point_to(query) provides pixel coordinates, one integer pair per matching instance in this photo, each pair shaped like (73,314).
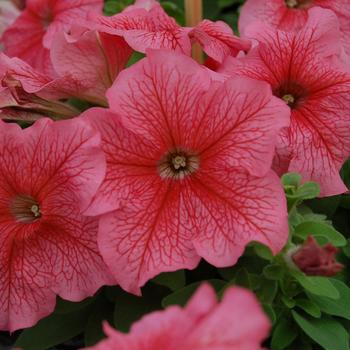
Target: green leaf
(326,205)
(325,331)
(316,285)
(309,307)
(289,302)
(283,334)
(320,228)
(181,296)
(65,306)
(130,308)
(270,312)
(339,307)
(308,190)
(174,11)
(102,311)
(135,57)
(242,278)
(173,280)
(345,173)
(54,330)
(346,249)
(263,251)
(267,291)
(273,272)
(291,180)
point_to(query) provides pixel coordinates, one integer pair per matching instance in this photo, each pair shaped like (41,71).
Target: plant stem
(194,10)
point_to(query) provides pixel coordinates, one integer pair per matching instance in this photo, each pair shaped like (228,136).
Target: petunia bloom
(49,173)
(305,70)
(89,62)
(145,25)
(293,14)
(31,36)
(24,89)
(315,260)
(188,169)
(236,323)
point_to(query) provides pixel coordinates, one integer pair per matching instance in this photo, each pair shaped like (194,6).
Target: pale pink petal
(272,12)
(8,14)
(320,35)
(277,14)
(233,209)
(120,144)
(153,94)
(151,236)
(218,40)
(239,121)
(202,302)
(92,62)
(31,80)
(146,29)
(237,323)
(31,35)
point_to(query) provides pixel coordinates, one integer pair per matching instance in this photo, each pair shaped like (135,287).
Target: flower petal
(244,328)
(92,62)
(146,29)
(218,40)
(232,209)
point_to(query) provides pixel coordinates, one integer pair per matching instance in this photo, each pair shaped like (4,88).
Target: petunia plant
(174,174)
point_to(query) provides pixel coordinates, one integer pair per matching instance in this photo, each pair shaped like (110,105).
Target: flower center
(292,93)
(177,164)
(25,209)
(289,99)
(298,4)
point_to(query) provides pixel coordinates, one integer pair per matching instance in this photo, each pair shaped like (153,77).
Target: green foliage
(181,296)
(54,329)
(173,280)
(325,331)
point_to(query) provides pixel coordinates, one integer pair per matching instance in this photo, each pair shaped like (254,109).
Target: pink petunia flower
(8,14)
(24,89)
(188,172)
(49,173)
(304,70)
(236,323)
(146,25)
(31,36)
(293,14)
(89,62)
(218,40)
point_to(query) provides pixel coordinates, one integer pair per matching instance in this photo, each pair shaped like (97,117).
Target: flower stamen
(291,3)
(297,4)
(177,164)
(289,99)
(25,209)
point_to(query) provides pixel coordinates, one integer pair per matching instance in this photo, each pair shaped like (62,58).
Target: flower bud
(315,260)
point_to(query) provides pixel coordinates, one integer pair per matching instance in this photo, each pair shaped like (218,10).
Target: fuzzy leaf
(325,331)
(283,335)
(320,229)
(339,307)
